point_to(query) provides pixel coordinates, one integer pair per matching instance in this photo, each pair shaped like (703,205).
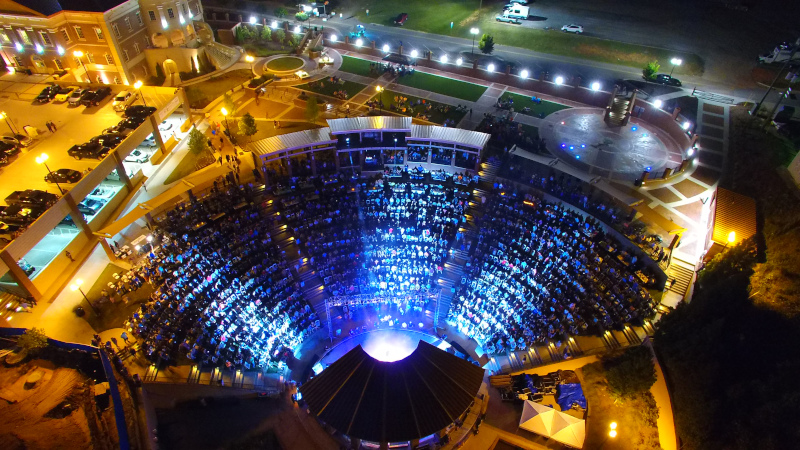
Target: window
(128,23)
(147,41)
(18,60)
(170,13)
(99,34)
(183,7)
(196,9)
(139,18)
(45,38)
(59,64)
(109,59)
(24,36)
(77,62)
(152,15)
(79,32)
(4,38)
(136,47)
(38,62)
(90,57)
(115,28)
(125,54)
(116,80)
(65,35)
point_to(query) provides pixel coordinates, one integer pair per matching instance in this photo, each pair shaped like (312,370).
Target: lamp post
(79,54)
(250,59)
(225,115)
(3,115)
(675,62)
(41,160)
(612,433)
(473,32)
(138,87)
(76,286)
(380,96)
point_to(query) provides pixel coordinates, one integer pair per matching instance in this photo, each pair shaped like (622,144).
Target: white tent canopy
(553,424)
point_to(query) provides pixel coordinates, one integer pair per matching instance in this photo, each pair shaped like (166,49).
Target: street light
(443,59)
(138,86)
(524,73)
(3,115)
(225,115)
(250,59)
(386,48)
(658,103)
(675,62)
(380,90)
(473,32)
(414,53)
(76,286)
(731,237)
(41,160)
(79,54)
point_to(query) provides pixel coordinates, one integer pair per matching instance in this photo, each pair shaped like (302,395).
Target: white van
(123,100)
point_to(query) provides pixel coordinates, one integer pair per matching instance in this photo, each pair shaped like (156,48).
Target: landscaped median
(418,108)
(202,93)
(335,89)
(541,108)
(441,85)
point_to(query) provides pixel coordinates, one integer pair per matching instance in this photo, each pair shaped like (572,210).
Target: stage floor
(384,344)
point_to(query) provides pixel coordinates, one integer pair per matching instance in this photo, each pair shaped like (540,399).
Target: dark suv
(139,111)
(110,140)
(47,94)
(32,197)
(21,215)
(93,98)
(88,150)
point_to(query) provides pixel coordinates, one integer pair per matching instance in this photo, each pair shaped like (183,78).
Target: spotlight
(687,125)
(459,61)
(386,48)
(559,80)
(524,73)
(334,38)
(596,86)
(658,103)
(490,67)
(443,59)
(414,53)
(359,42)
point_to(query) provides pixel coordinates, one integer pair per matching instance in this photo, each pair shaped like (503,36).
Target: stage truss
(370,299)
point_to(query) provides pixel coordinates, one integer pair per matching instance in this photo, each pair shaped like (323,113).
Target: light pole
(250,59)
(612,433)
(227,126)
(76,286)
(473,32)
(380,97)
(3,115)
(675,62)
(79,54)
(138,87)
(41,160)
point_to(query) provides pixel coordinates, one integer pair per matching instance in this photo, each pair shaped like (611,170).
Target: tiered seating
(541,271)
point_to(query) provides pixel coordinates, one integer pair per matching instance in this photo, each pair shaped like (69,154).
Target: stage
(384,344)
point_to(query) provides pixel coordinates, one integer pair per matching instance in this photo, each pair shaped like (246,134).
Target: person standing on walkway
(470,113)
(124,337)
(49,127)
(53,124)
(69,255)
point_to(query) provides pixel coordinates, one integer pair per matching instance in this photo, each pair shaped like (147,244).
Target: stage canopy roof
(393,401)
(553,424)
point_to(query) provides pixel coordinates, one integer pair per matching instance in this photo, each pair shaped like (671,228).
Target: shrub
(630,373)
(281,12)
(301,16)
(650,70)
(32,341)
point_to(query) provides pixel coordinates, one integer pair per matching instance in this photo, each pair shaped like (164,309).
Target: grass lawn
(631,415)
(268,49)
(327,87)
(357,66)
(203,93)
(112,315)
(546,108)
(434,113)
(444,86)
(187,166)
(466,14)
(285,63)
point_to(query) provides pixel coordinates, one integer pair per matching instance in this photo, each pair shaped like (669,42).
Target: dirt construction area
(44,407)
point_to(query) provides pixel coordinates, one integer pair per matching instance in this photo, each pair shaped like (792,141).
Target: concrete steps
(683,273)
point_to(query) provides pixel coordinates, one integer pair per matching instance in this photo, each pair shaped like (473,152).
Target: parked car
(76,98)
(401,19)
(110,140)
(21,215)
(7,232)
(18,140)
(130,124)
(123,100)
(64,93)
(63,176)
(97,96)
(668,80)
(47,94)
(139,111)
(101,193)
(90,206)
(572,28)
(3,159)
(32,197)
(88,150)
(506,19)
(137,156)
(8,148)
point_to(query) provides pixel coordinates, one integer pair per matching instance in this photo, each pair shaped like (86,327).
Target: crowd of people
(541,271)
(224,296)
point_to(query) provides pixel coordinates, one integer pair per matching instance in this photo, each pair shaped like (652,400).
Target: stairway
(222,56)
(619,108)
(8,305)
(683,273)
(488,171)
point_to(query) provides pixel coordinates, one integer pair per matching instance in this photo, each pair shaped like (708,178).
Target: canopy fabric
(556,425)
(393,401)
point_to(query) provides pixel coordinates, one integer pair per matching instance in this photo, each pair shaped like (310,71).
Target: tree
(630,373)
(247,126)
(197,141)
(301,16)
(32,340)
(312,109)
(650,70)
(281,12)
(279,36)
(486,44)
(227,103)
(266,34)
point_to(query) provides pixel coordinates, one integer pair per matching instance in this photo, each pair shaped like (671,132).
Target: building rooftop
(449,134)
(733,213)
(50,7)
(289,141)
(387,123)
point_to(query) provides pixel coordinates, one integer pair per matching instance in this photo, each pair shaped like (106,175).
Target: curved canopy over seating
(393,401)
